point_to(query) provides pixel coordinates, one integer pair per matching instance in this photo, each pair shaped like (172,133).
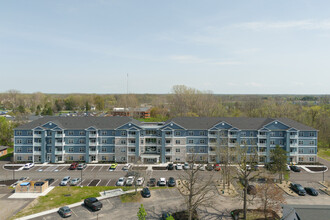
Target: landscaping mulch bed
(159,168)
(139,168)
(12,167)
(316,169)
(7,182)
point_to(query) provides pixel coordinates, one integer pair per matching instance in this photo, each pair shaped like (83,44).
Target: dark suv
(93,203)
(298,189)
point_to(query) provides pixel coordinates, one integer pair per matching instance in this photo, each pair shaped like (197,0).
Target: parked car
(288,168)
(217,167)
(201,167)
(39,183)
(179,166)
(65,181)
(295,169)
(23,178)
(298,189)
(145,192)
(127,167)
(65,211)
(81,166)
(73,166)
(162,181)
(113,166)
(75,181)
(170,166)
(152,182)
(121,181)
(251,190)
(27,166)
(93,203)
(186,166)
(130,181)
(311,191)
(50,181)
(209,167)
(171,181)
(139,181)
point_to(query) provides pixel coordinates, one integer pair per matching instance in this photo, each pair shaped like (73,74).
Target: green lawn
(61,196)
(131,197)
(324,153)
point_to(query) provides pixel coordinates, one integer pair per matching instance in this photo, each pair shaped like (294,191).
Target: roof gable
(276,125)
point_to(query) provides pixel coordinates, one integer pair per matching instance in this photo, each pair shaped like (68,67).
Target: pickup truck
(93,203)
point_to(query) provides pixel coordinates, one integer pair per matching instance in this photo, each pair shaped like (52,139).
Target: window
(123,158)
(202,133)
(18,133)
(243,141)
(311,151)
(177,159)
(104,141)
(272,134)
(202,141)
(70,157)
(168,132)
(177,141)
(104,158)
(190,141)
(19,149)
(132,133)
(123,133)
(123,141)
(81,133)
(132,141)
(311,134)
(37,132)
(311,143)
(29,150)
(301,159)
(177,150)
(70,132)
(104,132)
(212,132)
(243,134)
(70,141)
(190,133)
(272,142)
(177,133)
(19,158)
(29,133)
(29,158)
(113,141)
(202,150)
(70,149)
(104,149)
(82,158)
(167,141)
(311,159)
(301,134)
(81,141)
(251,134)
(81,149)
(281,134)
(49,141)
(29,141)
(123,150)
(141,141)
(18,141)
(191,150)
(281,142)
(301,142)
(301,150)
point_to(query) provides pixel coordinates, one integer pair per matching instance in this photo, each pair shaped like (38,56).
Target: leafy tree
(38,111)
(99,102)
(6,132)
(278,158)
(21,109)
(142,213)
(87,106)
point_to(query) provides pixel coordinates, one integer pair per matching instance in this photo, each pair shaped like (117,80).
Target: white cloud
(254,84)
(300,24)
(193,59)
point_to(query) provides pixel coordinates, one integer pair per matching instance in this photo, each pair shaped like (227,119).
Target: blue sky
(228,47)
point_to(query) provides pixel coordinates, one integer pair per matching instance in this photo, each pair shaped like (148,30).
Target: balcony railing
(232,135)
(59,135)
(37,144)
(131,153)
(92,152)
(36,135)
(37,152)
(294,136)
(293,144)
(58,143)
(92,143)
(57,152)
(262,145)
(262,136)
(92,135)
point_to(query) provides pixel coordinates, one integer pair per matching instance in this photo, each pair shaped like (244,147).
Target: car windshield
(299,187)
(65,179)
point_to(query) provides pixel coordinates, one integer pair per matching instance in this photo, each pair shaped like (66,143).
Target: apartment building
(123,139)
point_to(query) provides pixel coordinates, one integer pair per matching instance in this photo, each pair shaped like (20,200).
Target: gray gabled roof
(242,123)
(80,122)
(310,212)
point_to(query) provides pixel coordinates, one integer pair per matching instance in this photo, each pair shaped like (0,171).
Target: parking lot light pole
(323,173)
(81,176)
(13,174)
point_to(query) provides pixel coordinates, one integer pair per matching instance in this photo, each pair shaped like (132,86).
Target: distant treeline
(312,110)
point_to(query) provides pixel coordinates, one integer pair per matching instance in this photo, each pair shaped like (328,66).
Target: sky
(227,47)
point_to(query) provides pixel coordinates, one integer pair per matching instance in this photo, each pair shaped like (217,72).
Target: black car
(251,190)
(298,189)
(152,182)
(311,191)
(209,167)
(65,211)
(50,181)
(170,166)
(171,181)
(295,169)
(145,192)
(93,203)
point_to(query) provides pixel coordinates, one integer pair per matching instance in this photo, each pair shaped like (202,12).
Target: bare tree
(270,196)
(196,189)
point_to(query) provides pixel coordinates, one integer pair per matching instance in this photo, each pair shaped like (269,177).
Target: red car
(73,166)
(217,167)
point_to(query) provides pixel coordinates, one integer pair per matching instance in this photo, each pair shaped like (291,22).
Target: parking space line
(101,168)
(89,182)
(54,182)
(81,183)
(93,168)
(98,183)
(74,213)
(62,168)
(108,183)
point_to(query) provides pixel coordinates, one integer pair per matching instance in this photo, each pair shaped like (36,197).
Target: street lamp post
(81,176)
(323,173)
(13,174)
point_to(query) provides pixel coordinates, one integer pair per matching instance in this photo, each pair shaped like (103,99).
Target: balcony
(294,153)
(59,135)
(131,144)
(58,143)
(262,153)
(131,153)
(262,144)
(168,153)
(37,152)
(232,135)
(92,152)
(57,152)
(213,135)
(37,144)
(92,135)
(92,143)
(293,136)
(36,135)
(232,144)
(294,144)
(262,136)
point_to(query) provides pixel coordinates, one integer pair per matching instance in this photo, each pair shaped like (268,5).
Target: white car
(201,167)
(130,181)
(162,181)
(186,166)
(139,181)
(121,181)
(127,166)
(65,181)
(179,166)
(28,166)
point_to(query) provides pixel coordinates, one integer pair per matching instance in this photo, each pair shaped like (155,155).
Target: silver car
(74,181)
(121,181)
(130,181)
(65,181)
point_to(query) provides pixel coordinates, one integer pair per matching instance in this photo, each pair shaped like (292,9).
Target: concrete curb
(112,193)
(309,171)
